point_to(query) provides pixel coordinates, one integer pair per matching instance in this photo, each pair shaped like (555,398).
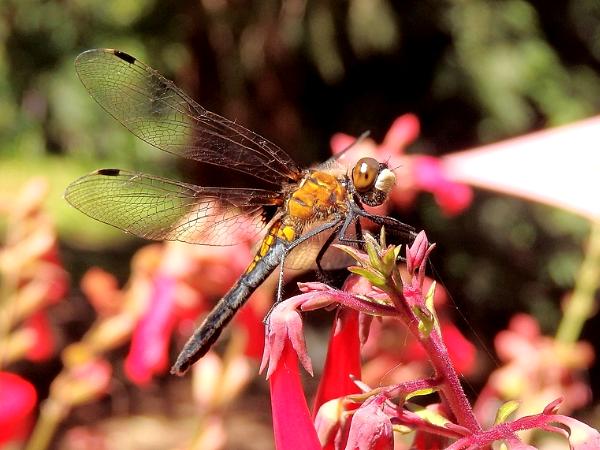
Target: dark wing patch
(161,209)
(161,114)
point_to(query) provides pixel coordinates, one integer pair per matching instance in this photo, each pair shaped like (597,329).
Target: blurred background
(297,72)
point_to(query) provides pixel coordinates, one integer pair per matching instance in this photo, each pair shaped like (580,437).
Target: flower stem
(52,414)
(580,306)
(451,390)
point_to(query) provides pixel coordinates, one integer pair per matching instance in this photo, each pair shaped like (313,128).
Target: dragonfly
(303,209)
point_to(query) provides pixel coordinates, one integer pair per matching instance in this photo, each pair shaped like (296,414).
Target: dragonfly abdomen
(222,313)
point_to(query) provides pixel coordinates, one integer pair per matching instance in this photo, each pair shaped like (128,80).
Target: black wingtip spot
(124,56)
(108,172)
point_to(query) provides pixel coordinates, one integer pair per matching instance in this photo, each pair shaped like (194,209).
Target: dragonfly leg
(393,225)
(320,272)
(289,248)
(280,282)
(352,216)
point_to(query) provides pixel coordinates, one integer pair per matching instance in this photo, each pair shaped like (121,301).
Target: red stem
(451,391)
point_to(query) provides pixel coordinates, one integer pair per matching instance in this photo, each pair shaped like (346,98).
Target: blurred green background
(298,71)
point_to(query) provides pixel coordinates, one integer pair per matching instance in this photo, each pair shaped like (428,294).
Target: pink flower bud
(371,428)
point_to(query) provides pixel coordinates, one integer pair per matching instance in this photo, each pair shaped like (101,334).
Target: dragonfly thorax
(317,195)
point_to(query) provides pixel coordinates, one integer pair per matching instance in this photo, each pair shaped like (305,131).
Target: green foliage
(297,72)
(499,59)
(502,58)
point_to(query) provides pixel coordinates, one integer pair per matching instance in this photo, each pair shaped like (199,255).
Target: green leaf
(429,415)
(420,392)
(374,277)
(426,320)
(388,259)
(505,411)
(430,305)
(372,248)
(356,254)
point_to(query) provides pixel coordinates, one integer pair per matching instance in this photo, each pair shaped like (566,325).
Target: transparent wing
(161,209)
(161,114)
(304,256)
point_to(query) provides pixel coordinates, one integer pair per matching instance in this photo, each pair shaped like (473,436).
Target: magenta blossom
(415,173)
(17,402)
(148,354)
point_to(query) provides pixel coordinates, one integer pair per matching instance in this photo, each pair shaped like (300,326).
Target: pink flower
(285,327)
(17,402)
(415,173)
(102,291)
(284,345)
(558,167)
(148,354)
(429,175)
(371,428)
(537,369)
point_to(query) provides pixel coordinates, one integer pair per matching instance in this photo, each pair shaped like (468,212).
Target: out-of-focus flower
(148,353)
(33,340)
(558,167)
(181,288)
(82,382)
(84,379)
(102,291)
(17,402)
(30,269)
(217,380)
(537,369)
(43,345)
(414,173)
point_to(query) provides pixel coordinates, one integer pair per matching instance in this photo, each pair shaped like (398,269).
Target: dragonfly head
(372,181)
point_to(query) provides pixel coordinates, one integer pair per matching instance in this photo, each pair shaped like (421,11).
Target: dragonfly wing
(161,114)
(161,209)
(303,256)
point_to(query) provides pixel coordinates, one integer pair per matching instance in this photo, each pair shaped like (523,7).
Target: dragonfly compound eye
(364,174)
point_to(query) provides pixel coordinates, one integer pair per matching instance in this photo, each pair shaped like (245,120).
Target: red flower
(292,424)
(43,343)
(343,354)
(17,401)
(284,344)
